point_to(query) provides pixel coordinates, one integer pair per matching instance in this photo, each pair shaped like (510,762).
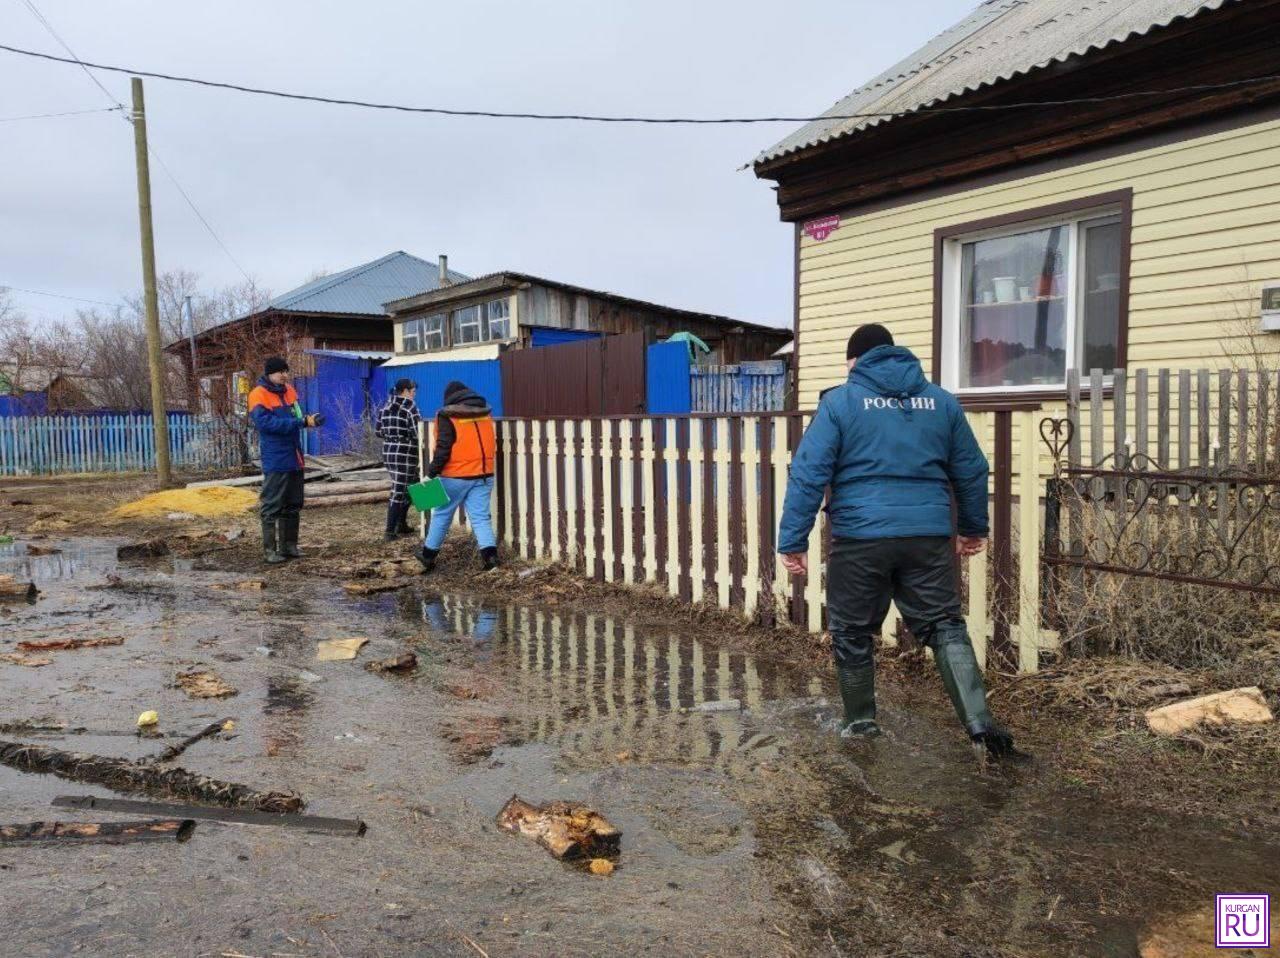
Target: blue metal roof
(376,355)
(363,289)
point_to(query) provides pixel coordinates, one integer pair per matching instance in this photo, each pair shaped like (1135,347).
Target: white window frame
(953,299)
(433,332)
(456,326)
(411,339)
(485,319)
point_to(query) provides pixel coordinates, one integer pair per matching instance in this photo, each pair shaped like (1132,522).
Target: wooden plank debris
(64,645)
(28,661)
(397,663)
(234,816)
(173,751)
(109,833)
(566,829)
(339,650)
(11,589)
(126,776)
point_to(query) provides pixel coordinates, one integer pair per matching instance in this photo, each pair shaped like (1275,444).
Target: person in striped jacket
(398,429)
(463,458)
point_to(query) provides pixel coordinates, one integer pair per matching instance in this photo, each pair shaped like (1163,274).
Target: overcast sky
(659,213)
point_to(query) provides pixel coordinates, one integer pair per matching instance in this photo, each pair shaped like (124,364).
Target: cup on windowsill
(1024,293)
(988,297)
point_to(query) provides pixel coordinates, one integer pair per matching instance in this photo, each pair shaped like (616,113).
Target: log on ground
(325,502)
(310,823)
(109,833)
(126,776)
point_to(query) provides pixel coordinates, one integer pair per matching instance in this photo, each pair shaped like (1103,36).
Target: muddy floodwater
(747,831)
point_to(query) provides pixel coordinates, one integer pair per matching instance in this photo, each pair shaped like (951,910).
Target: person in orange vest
(463,459)
(274,409)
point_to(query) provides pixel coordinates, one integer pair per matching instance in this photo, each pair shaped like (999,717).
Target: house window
(433,331)
(411,336)
(466,326)
(1024,303)
(497,320)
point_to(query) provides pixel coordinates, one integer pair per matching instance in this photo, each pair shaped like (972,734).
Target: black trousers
(865,575)
(281,494)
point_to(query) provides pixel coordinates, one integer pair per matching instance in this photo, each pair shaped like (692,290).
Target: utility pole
(154,359)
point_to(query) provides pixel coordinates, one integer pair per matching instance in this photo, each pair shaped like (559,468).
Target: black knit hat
(866,338)
(403,384)
(276,364)
(454,391)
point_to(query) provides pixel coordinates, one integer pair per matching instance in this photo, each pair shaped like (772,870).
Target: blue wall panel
(482,375)
(667,379)
(545,336)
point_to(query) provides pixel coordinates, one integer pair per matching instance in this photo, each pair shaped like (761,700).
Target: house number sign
(820,229)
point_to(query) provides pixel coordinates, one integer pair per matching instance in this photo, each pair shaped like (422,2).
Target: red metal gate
(595,377)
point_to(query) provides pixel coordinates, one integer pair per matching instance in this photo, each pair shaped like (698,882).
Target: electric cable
(655,120)
(46,116)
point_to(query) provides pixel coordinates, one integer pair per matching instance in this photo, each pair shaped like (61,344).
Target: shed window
(433,331)
(411,336)
(497,320)
(1024,304)
(466,325)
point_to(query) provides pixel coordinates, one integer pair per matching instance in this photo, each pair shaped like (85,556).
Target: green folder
(428,495)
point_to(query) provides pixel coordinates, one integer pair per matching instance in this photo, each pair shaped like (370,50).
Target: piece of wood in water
(372,588)
(173,751)
(397,663)
(566,829)
(11,589)
(63,645)
(150,549)
(109,833)
(339,650)
(126,776)
(34,550)
(235,816)
(203,684)
(29,661)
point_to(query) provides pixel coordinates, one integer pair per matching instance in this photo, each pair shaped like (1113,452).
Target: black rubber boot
(403,526)
(489,556)
(270,543)
(996,743)
(858,693)
(289,536)
(427,557)
(393,523)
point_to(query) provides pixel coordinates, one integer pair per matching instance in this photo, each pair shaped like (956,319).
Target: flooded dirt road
(752,831)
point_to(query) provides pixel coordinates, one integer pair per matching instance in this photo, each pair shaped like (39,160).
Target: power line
(41,292)
(656,120)
(117,105)
(46,116)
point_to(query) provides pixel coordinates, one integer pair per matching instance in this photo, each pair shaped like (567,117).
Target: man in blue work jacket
(894,449)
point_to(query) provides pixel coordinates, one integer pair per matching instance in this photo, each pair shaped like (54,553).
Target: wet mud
(754,831)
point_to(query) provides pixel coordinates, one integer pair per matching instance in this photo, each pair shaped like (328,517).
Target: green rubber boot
(289,536)
(962,679)
(858,692)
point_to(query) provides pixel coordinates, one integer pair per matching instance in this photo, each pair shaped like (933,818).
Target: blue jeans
(475,495)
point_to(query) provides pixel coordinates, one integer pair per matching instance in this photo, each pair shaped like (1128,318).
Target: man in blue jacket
(274,409)
(894,449)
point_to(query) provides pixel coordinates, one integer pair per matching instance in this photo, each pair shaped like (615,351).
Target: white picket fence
(692,504)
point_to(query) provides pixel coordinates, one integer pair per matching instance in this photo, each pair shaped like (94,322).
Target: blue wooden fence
(54,445)
(743,387)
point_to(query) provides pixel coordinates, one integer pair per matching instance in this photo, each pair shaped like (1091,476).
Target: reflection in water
(286,703)
(74,558)
(611,687)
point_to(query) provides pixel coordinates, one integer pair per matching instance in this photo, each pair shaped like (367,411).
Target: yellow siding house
(1047,186)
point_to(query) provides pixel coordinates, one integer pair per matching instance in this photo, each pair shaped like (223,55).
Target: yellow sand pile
(210,501)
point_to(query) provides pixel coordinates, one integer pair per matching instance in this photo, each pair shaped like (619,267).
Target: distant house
(479,318)
(1010,243)
(477,331)
(341,311)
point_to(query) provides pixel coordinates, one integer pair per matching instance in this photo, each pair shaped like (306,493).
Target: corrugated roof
(374,354)
(999,40)
(363,289)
